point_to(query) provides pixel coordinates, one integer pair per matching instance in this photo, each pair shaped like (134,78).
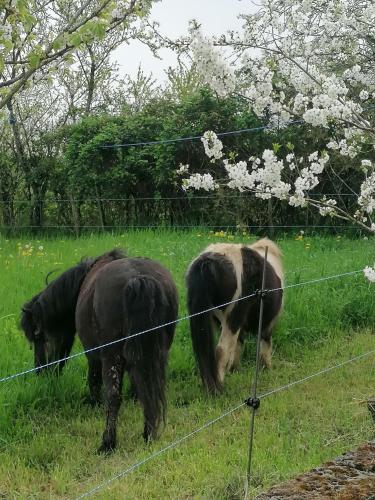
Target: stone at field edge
(349,477)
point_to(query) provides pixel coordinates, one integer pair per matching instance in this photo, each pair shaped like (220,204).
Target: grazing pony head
(48,319)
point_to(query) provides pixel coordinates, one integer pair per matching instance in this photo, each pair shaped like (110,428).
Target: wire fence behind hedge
(212,211)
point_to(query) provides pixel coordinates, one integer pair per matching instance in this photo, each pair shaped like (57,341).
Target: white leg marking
(266,353)
(237,356)
(226,350)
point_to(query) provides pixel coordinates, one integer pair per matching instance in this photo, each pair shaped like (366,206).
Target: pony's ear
(48,275)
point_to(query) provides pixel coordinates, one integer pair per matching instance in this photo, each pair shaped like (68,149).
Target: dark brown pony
(107,299)
(222,273)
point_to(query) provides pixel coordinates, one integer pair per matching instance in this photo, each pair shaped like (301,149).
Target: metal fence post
(253,401)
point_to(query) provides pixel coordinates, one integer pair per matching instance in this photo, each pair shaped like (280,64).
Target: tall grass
(48,436)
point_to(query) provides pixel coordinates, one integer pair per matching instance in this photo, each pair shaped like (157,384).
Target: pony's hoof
(90,401)
(215,390)
(146,438)
(234,368)
(148,434)
(213,386)
(266,364)
(106,448)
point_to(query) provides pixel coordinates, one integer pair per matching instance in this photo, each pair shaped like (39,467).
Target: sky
(215,16)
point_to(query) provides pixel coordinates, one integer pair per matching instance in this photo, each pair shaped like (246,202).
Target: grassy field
(48,436)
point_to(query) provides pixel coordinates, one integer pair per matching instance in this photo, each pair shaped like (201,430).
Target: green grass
(48,436)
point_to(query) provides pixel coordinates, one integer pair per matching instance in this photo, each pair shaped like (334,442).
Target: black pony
(107,299)
(222,273)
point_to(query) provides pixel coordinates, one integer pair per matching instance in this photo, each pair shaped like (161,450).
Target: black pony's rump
(121,299)
(222,274)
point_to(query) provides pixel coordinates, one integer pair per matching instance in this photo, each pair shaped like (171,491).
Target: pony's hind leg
(226,350)
(266,337)
(148,379)
(266,352)
(142,387)
(95,378)
(113,372)
(237,354)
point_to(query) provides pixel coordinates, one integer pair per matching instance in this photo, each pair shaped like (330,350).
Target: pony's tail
(146,306)
(202,278)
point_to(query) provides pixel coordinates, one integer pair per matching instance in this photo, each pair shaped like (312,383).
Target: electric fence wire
(178,320)
(177,442)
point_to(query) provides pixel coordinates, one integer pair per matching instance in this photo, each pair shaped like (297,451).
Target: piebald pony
(222,273)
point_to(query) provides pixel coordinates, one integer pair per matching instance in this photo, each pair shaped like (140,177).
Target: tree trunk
(103,222)
(37,206)
(20,154)
(270,217)
(90,83)
(76,215)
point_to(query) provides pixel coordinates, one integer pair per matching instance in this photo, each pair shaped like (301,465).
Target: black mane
(114,254)
(57,302)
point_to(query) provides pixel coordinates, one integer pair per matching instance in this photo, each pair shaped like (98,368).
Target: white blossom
(329,208)
(289,157)
(315,64)
(199,181)
(366,199)
(117,13)
(212,145)
(366,163)
(238,175)
(183,169)
(210,64)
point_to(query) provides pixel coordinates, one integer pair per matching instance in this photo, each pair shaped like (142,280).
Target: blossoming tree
(35,35)
(310,61)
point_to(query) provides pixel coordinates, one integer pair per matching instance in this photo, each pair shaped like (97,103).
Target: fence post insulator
(261,293)
(253,402)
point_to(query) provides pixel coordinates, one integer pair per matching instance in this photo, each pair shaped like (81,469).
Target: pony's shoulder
(223,248)
(261,245)
(274,255)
